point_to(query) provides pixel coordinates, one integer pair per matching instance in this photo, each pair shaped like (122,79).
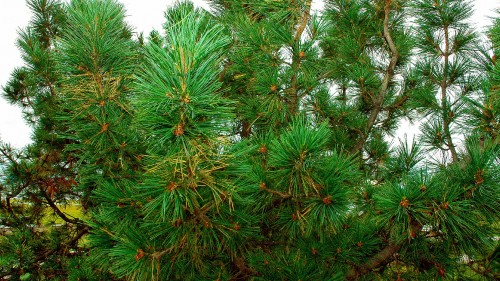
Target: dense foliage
(257,141)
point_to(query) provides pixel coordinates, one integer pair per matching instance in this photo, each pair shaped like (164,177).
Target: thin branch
(303,23)
(380,259)
(275,192)
(397,104)
(294,98)
(70,243)
(389,74)
(158,255)
(7,155)
(444,101)
(57,210)
(481,270)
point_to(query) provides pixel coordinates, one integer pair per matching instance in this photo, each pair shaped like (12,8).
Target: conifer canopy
(258,140)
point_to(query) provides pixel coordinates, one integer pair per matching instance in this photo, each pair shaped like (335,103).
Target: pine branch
(444,101)
(158,255)
(389,74)
(56,209)
(380,259)
(275,192)
(482,271)
(383,257)
(244,269)
(303,22)
(397,104)
(9,208)
(294,98)
(70,243)
(6,154)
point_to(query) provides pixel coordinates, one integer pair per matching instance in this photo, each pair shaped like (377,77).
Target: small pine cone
(140,254)
(263,185)
(179,130)
(445,205)
(263,149)
(104,127)
(171,186)
(327,200)
(405,203)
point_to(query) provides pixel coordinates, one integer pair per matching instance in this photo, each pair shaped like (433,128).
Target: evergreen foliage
(254,141)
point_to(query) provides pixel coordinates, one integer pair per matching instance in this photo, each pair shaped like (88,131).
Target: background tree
(40,178)
(254,143)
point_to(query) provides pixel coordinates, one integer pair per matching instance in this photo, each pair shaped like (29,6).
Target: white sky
(144,15)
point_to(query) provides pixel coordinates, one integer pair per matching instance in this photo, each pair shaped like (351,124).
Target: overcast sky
(144,15)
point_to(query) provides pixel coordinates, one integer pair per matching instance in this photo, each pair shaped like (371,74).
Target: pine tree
(254,142)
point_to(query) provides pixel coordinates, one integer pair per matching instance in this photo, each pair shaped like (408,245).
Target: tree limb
(389,74)
(56,209)
(380,259)
(303,22)
(70,243)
